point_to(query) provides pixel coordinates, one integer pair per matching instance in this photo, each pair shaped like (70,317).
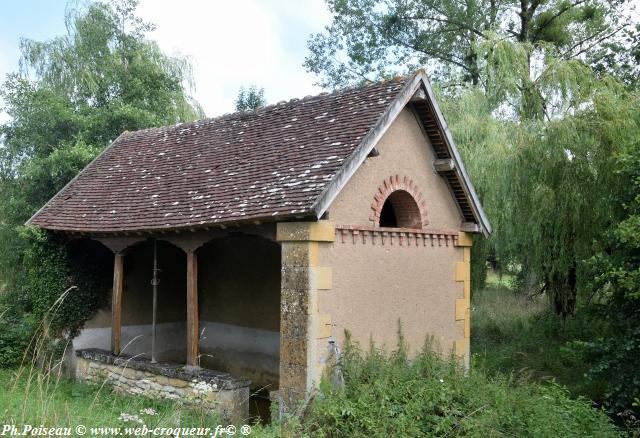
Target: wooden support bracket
(444,165)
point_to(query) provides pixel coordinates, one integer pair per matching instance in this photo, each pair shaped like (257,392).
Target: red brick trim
(395,236)
(391,185)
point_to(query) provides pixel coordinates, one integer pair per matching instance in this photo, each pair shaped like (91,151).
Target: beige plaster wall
(404,151)
(374,285)
(137,294)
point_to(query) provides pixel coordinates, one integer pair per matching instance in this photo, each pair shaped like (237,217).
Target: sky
(230,43)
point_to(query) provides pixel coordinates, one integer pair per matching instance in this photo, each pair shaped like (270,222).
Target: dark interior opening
(400,210)
(388,215)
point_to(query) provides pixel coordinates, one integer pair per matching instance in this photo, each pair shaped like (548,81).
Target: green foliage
(16,330)
(251,98)
(31,397)
(511,333)
(73,95)
(550,188)
(387,395)
(65,284)
(616,280)
(83,268)
(458,41)
(479,256)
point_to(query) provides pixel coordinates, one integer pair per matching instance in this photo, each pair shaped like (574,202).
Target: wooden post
(193,337)
(116,302)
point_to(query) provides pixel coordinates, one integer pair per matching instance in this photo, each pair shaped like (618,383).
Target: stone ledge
(222,381)
(320,231)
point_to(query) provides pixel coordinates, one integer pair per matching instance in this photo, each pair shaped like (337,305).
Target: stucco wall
(375,285)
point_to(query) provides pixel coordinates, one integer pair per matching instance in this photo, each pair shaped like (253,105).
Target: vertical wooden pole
(116,302)
(192,309)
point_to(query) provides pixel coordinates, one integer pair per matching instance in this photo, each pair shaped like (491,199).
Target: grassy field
(384,396)
(37,399)
(514,334)
(515,346)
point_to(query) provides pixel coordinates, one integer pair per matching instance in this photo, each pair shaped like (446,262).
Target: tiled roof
(266,164)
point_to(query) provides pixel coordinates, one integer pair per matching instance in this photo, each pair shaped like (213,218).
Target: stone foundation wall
(222,392)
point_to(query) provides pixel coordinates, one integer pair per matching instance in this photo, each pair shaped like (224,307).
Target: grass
(384,395)
(31,397)
(518,351)
(513,334)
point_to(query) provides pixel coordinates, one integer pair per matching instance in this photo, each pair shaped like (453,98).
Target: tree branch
(555,16)
(459,24)
(564,54)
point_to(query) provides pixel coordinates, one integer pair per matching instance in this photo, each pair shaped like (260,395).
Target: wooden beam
(419,96)
(444,165)
(470,227)
(192,309)
(116,302)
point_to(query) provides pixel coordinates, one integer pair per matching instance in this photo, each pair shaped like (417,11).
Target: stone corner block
(464,239)
(320,231)
(463,271)
(462,305)
(323,325)
(461,347)
(321,277)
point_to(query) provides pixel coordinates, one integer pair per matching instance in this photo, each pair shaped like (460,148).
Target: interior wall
(239,291)
(239,306)
(137,301)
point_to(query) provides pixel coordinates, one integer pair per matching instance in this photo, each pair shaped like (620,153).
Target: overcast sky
(230,43)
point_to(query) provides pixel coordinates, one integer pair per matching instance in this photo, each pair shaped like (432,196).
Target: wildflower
(203,386)
(148,411)
(128,417)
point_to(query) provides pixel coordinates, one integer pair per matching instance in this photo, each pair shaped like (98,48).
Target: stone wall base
(226,394)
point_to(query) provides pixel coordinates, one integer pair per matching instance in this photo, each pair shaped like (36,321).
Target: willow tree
(369,39)
(74,94)
(527,109)
(551,188)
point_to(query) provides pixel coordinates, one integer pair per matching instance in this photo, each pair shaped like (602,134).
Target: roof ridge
(283,103)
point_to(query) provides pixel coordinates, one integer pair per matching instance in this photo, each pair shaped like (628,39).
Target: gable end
(418,95)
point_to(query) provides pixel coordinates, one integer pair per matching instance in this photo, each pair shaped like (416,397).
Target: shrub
(387,395)
(16,330)
(63,285)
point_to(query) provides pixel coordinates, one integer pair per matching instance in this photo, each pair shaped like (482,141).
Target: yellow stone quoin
(462,349)
(322,277)
(464,239)
(462,273)
(462,305)
(323,325)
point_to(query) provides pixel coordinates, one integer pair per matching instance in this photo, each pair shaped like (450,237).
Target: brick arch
(404,191)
